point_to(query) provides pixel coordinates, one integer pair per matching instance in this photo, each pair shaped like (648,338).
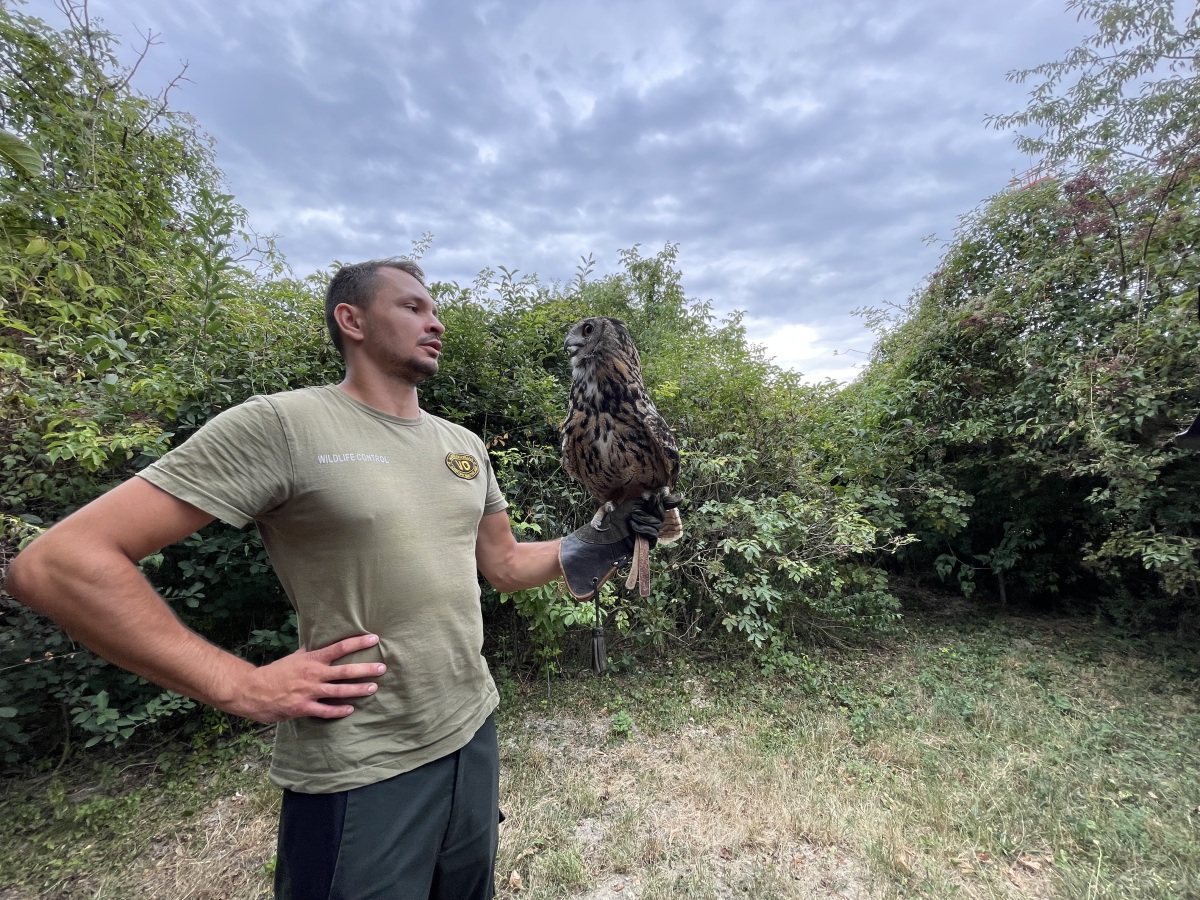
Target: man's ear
(350,320)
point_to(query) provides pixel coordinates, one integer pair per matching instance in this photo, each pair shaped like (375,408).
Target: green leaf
(20,155)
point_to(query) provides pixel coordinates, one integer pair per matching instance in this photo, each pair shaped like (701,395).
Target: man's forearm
(106,604)
(530,564)
(83,574)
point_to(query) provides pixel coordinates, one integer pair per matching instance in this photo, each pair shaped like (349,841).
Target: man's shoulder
(297,398)
(296,407)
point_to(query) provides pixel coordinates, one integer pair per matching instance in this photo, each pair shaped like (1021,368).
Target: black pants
(428,833)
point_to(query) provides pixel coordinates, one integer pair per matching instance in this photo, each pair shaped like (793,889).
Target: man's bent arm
(512,565)
(83,574)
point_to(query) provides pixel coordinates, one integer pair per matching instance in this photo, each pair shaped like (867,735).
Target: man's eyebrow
(421,301)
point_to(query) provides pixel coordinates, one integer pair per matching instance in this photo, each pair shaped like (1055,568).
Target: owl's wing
(668,453)
(663,443)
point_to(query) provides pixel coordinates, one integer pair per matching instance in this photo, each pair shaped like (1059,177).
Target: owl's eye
(588,329)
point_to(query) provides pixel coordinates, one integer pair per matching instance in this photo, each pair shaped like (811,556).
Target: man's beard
(409,369)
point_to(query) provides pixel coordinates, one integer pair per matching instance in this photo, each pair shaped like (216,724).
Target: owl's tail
(672,527)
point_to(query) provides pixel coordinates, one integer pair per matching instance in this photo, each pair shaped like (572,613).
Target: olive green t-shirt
(371,523)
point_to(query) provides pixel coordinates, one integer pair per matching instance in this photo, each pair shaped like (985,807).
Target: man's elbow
(511,572)
(42,575)
(503,580)
(21,578)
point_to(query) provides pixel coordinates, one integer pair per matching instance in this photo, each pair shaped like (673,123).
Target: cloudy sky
(808,158)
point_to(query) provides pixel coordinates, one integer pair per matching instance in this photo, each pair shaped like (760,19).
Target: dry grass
(226,854)
(1004,763)
(680,814)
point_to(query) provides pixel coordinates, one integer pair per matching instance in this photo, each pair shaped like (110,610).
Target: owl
(614,442)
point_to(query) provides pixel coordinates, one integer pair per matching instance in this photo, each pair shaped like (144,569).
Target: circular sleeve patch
(464,465)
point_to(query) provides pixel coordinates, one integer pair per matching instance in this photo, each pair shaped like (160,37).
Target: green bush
(1029,395)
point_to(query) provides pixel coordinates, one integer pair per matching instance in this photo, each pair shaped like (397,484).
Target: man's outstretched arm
(511,565)
(83,574)
(586,558)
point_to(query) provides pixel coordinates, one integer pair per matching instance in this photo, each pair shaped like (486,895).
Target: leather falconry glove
(589,556)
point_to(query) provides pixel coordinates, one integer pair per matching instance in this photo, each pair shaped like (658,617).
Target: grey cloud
(798,153)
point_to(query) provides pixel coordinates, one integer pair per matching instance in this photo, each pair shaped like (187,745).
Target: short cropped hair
(357,284)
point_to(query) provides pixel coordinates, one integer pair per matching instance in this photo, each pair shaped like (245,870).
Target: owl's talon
(601,515)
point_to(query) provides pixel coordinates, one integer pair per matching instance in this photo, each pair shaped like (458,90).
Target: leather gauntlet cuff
(587,565)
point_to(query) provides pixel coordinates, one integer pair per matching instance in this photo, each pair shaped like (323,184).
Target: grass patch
(1005,759)
(1010,759)
(187,821)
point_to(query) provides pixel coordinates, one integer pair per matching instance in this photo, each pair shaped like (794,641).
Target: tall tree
(1128,94)
(125,318)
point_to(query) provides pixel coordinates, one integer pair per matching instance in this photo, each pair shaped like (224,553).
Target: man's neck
(391,396)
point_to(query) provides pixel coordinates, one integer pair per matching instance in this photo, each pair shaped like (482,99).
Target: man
(376,516)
